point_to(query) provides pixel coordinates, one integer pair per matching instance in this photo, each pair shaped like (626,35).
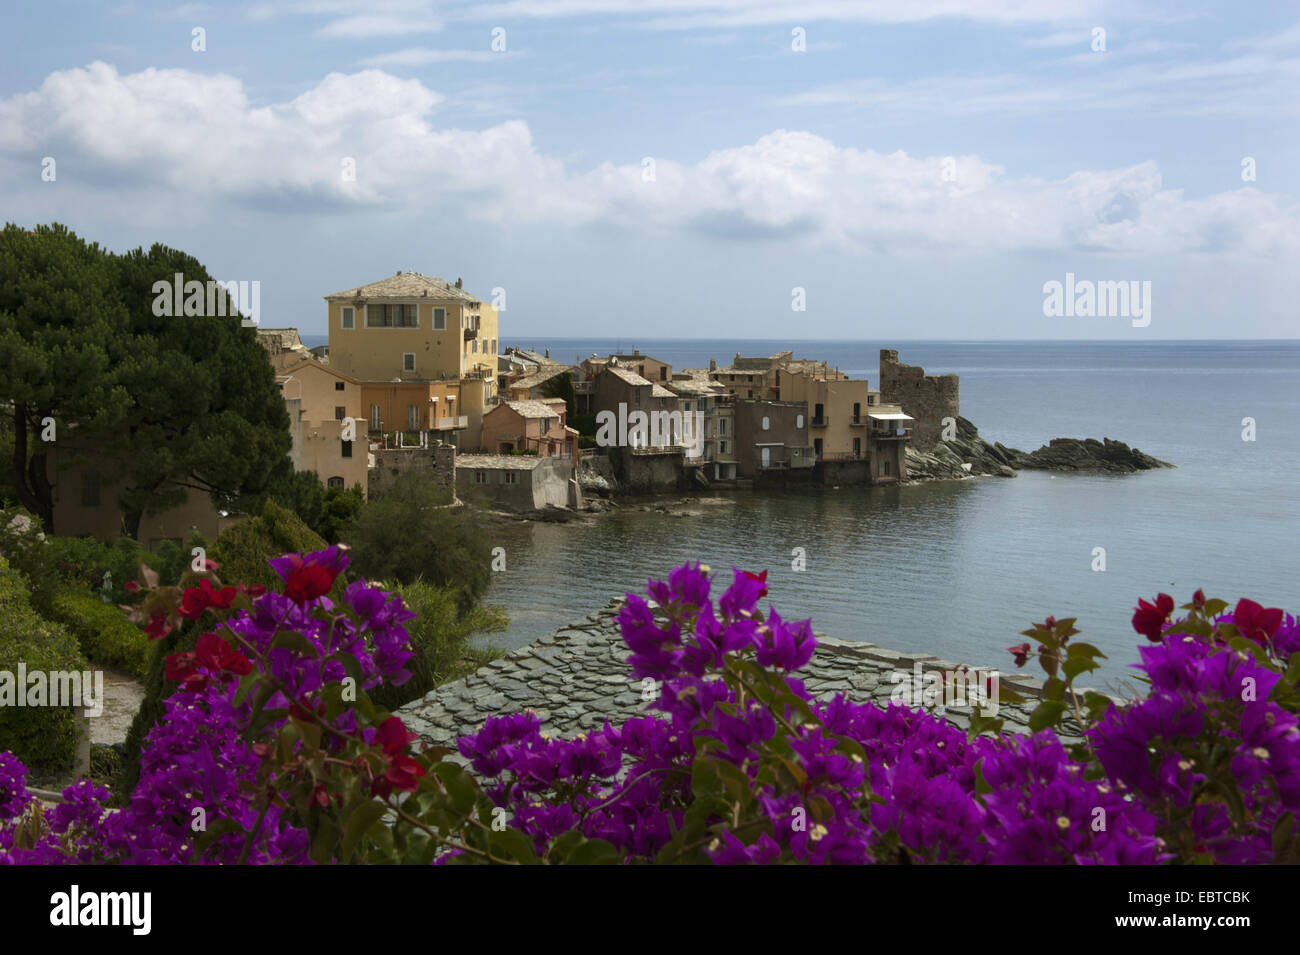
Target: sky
(910,169)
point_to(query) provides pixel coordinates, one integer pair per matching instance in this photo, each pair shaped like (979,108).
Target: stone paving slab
(577,677)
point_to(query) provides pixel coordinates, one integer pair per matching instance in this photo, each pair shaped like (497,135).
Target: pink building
(529,426)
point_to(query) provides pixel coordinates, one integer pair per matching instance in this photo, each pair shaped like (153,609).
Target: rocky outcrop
(1089,454)
(967,455)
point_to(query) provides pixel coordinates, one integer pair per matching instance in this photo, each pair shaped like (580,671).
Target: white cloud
(420,56)
(199,138)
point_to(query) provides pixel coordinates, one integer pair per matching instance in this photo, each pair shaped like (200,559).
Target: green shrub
(440,639)
(244,549)
(406,536)
(105,635)
(43,737)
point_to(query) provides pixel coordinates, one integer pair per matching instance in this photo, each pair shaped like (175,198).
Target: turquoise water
(959,568)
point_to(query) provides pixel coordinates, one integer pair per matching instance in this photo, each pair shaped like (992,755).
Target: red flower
(200,598)
(182,668)
(1149,619)
(1255,622)
(761,578)
(1050,623)
(158,626)
(1020,652)
(402,771)
(309,581)
(1198,599)
(131,586)
(215,654)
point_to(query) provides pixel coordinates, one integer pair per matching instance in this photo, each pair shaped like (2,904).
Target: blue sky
(920,169)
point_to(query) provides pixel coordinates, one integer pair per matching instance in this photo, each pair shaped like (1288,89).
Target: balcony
(452,424)
(471,334)
(859,422)
(900,435)
(820,421)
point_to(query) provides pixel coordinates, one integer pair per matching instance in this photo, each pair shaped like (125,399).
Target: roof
(408,285)
(536,358)
(319,365)
(659,391)
(541,376)
(631,377)
(509,462)
(695,387)
(890,416)
(531,409)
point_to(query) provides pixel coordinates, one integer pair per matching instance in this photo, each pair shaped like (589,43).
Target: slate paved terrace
(577,677)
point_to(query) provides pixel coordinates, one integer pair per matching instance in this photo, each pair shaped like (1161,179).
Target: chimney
(458,281)
(548,353)
(636,351)
(713,364)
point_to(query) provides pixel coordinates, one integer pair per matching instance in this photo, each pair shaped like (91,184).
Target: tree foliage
(183,402)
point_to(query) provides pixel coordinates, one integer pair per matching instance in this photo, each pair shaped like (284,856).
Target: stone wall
(844,472)
(577,678)
(644,472)
(438,463)
(927,398)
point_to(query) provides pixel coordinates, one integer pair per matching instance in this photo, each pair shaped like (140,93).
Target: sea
(958,569)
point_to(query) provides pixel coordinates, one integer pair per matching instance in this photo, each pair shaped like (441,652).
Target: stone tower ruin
(927,398)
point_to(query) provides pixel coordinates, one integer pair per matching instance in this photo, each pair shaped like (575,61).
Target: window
(510,477)
(348,316)
(392,316)
(722,426)
(751,392)
(334,482)
(340,412)
(767,423)
(347,448)
(885,467)
(546,425)
(686,406)
(374,417)
(798,421)
(494,346)
(412,417)
(480,477)
(474,347)
(857,447)
(90,489)
(338,386)
(439,319)
(408,361)
(871,400)
(722,447)
(663,372)
(817,448)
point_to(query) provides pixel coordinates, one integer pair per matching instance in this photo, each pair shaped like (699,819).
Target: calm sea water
(959,568)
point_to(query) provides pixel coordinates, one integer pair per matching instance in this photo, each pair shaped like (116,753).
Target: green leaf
(515,845)
(365,815)
(293,640)
(459,785)
(1046,714)
(594,852)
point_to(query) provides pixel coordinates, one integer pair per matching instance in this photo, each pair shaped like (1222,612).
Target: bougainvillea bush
(272,752)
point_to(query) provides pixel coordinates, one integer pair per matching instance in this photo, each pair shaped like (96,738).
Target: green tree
(410,534)
(184,402)
(63,336)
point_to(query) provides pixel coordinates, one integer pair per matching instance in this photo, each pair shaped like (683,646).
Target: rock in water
(968,454)
(1089,454)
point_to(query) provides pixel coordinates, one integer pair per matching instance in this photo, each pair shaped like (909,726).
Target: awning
(890,416)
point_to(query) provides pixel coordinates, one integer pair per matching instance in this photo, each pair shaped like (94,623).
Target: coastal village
(414,379)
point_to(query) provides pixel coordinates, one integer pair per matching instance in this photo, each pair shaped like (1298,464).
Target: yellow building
(412,327)
(837,413)
(320,398)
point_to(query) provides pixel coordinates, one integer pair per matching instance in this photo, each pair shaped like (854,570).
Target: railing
(843,456)
(900,435)
(859,422)
(448,424)
(820,421)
